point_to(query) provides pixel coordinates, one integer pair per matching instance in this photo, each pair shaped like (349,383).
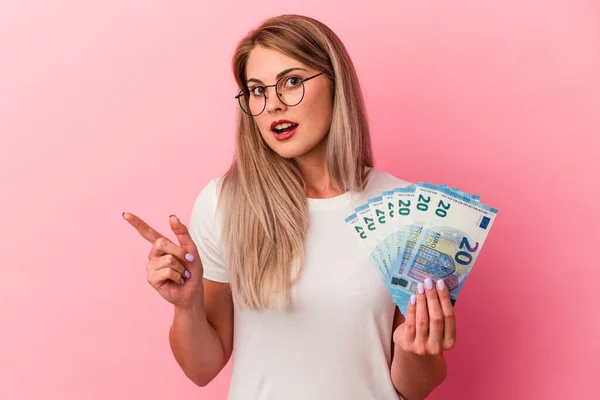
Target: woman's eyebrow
(279,75)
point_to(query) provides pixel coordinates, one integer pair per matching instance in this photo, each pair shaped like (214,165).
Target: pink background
(111,106)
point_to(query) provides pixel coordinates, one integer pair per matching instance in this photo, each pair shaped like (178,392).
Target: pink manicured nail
(182,281)
(420,288)
(189,257)
(413,299)
(187,274)
(428,283)
(441,285)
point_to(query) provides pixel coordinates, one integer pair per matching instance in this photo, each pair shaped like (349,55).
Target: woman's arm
(201,337)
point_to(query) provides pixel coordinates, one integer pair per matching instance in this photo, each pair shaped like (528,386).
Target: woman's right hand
(177,279)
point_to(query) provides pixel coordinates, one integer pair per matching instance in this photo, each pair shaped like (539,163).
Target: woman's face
(312,115)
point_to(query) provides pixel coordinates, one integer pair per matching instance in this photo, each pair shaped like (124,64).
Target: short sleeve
(205,232)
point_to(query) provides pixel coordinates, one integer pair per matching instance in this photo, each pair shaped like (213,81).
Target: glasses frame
(241,94)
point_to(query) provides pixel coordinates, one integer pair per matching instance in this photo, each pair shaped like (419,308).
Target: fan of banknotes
(422,231)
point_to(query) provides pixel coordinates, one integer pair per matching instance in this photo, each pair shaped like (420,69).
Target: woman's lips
(286,135)
(281,121)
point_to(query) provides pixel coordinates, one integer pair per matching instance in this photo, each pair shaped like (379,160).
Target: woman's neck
(317,179)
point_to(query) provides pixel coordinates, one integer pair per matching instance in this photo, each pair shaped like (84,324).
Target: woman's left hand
(430,326)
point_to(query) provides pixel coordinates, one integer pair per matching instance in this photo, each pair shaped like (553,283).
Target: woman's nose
(273,101)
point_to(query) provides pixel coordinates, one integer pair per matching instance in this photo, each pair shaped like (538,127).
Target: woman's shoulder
(378,181)
(381,180)
(205,204)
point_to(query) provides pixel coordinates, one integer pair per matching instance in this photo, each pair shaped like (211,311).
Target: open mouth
(284,128)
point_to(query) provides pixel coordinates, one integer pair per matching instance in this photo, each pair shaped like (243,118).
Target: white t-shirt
(335,342)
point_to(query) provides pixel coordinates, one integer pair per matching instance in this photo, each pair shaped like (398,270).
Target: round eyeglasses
(289,89)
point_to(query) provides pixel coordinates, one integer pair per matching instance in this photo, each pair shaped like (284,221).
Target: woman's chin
(288,150)
(289,154)
(291,150)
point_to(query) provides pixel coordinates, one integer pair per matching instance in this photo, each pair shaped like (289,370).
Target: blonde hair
(262,201)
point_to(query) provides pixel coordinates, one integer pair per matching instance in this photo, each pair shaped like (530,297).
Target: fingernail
(189,257)
(441,285)
(123,215)
(420,288)
(182,281)
(413,299)
(429,283)
(187,274)
(172,215)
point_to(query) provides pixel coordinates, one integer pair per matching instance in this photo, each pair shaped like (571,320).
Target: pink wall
(107,106)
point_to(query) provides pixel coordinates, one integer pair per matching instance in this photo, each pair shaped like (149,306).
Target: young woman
(269,270)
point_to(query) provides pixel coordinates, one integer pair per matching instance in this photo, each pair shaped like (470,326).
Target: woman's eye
(257,90)
(293,81)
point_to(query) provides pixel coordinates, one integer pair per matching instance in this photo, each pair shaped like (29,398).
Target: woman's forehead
(264,64)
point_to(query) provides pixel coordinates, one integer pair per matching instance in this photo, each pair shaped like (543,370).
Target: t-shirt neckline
(329,203)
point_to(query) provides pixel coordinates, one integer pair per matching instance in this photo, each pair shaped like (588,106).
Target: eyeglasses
(289,89)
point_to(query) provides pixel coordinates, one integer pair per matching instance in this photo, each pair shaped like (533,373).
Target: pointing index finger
(143,228)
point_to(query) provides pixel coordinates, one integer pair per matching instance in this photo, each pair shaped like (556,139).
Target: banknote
(424,197)
(422,231)
(389,205)
(424,205)
(382,221)
(403,206)
(356,222)
(450,241)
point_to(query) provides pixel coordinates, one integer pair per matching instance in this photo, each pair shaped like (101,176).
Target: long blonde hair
(262,202)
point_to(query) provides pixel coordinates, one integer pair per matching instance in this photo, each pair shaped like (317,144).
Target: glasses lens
(290,90)
(252,103)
